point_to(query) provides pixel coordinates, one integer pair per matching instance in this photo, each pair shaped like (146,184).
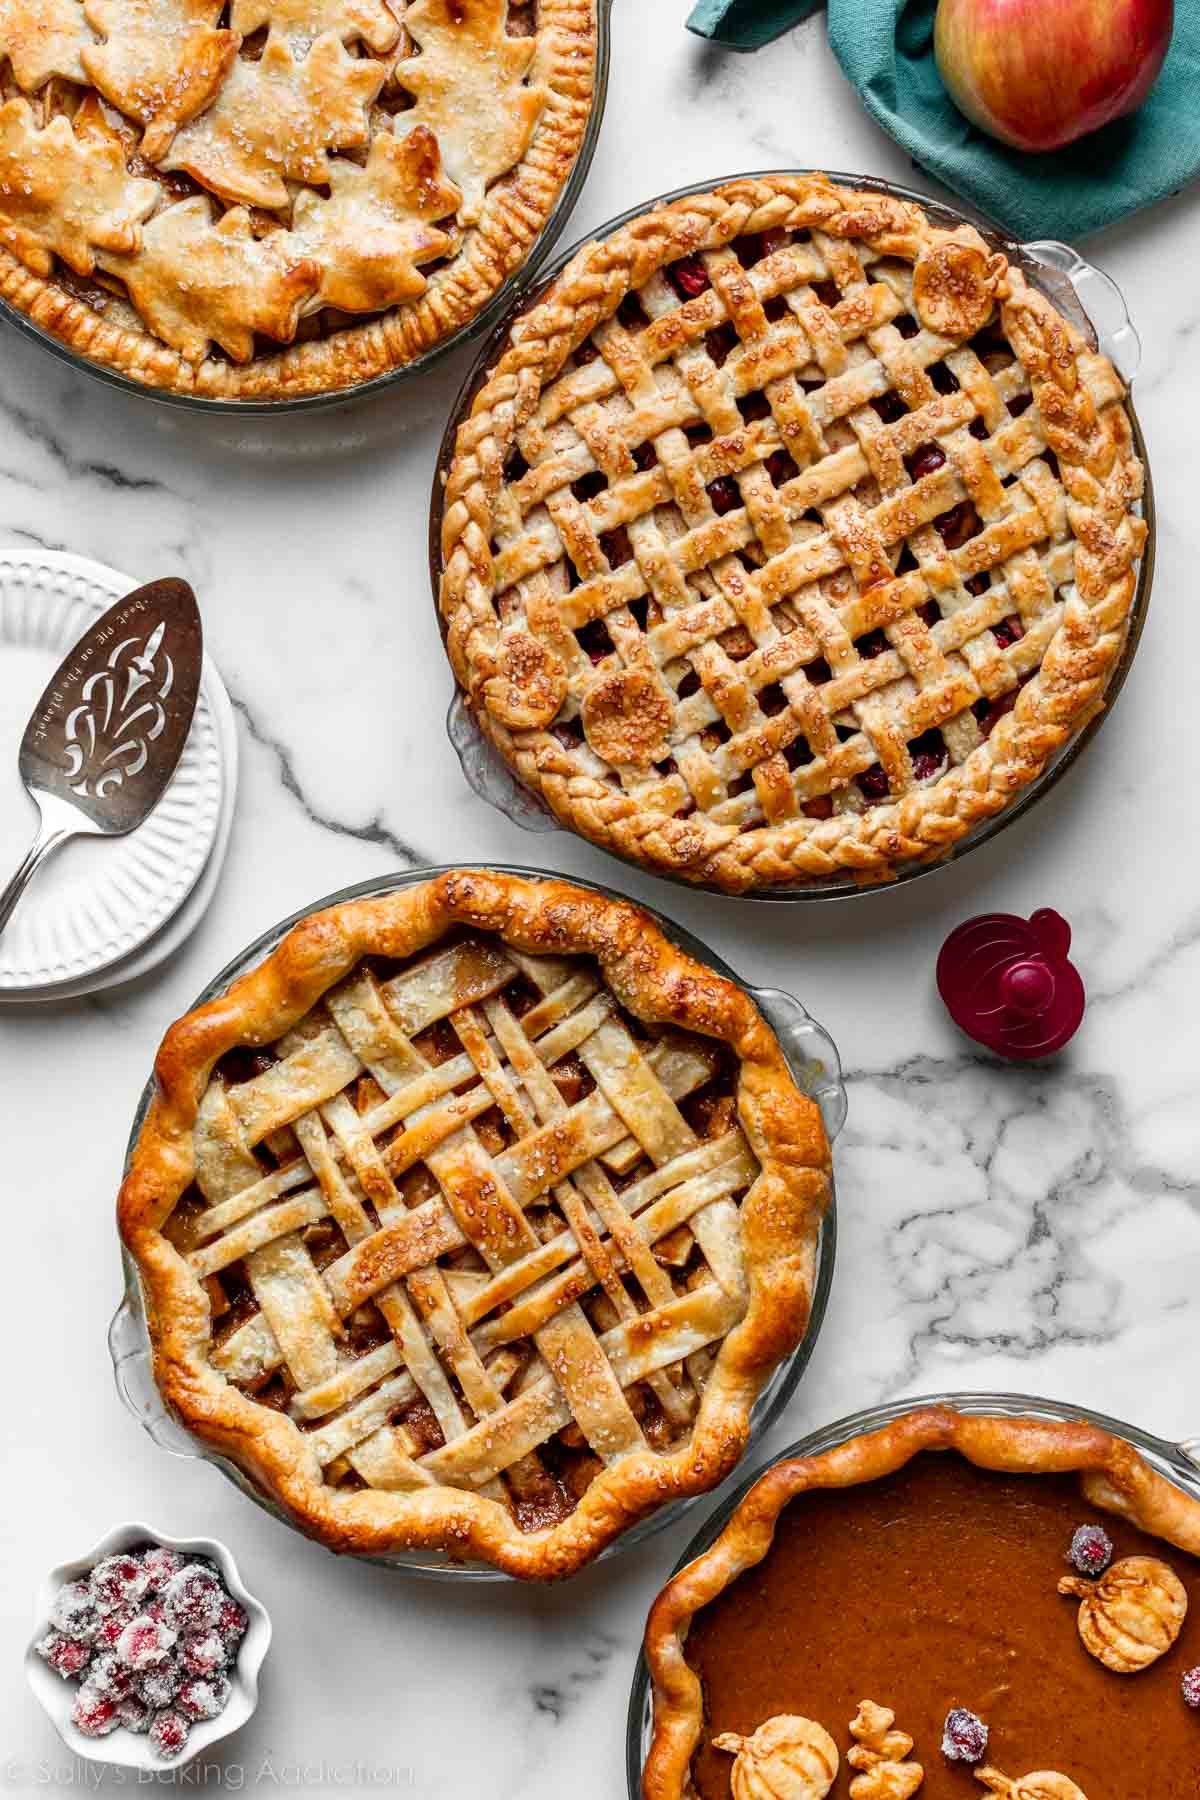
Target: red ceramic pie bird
(1007,982)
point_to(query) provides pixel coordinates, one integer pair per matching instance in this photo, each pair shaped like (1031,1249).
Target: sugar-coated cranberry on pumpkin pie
(876,1621)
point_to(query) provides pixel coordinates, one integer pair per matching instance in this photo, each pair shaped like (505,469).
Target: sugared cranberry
(193,1598)
(134,1714)
(1008,631)
(233,1620)
(93,1714)
(202,1698)
(1189,1687)
(723,492)
(117,1581)
(159,1686)
(67,1656)
(109,1677)
(926,459)
(74,1610)
(773,240)
(158,1565)
(688,277)
(168,1733)
(1091,1550)
(144,1642)
(965,1736)
(108,1632)
(203,1653)
(874,784)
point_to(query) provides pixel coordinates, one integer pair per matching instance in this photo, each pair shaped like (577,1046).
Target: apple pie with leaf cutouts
(260,199)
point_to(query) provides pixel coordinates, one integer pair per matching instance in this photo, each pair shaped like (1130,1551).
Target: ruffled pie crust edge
(1113,1477)
(781,1214)
(1094,448)
(515,210)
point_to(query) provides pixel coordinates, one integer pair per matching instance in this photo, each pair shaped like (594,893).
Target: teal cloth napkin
(885,48)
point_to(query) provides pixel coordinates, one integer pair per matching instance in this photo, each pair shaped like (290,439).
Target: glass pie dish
(596,803)
(69,341)
(1177,1463)
(810,1062)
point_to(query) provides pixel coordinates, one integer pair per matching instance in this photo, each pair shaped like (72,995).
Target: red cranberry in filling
(781,467)
(873,644)
(723,492)
(688,277)
(1008,631)
(890,407)
(959,524)
(873,784)
(929,754)
(925,459)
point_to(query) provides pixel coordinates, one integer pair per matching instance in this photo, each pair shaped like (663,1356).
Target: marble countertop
(1033,1229)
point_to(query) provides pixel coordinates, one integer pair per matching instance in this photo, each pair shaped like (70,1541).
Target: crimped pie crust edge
(922,826)
(781,1213)
(515,211)
(1113,1476)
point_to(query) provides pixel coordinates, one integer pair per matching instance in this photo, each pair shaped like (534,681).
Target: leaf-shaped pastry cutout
(1132,1615)
(279,117)
(471,91)
(163,61)
(882,1755)
(1043,1784)
(42,38)
(66,191)
(374,229)
(370,20)
(196,280)
(787,1758)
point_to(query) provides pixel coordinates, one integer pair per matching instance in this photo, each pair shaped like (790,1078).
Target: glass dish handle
(811,1053)
(1099,298)
(1189,1449)
(129,1347)
(489,776)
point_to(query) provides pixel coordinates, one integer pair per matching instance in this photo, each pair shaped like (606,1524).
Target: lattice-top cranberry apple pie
(188,185)
(475,1219)
(788,537)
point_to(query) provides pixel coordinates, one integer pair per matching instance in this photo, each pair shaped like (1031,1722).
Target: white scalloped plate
(97,899)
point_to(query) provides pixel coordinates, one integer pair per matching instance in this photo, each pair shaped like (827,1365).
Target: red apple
(1040,73)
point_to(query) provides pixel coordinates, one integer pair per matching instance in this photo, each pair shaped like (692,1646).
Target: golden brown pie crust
(1112,1476)
(779,1215)
(513,213)
(509,531)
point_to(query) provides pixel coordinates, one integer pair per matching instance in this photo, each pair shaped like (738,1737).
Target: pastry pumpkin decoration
(1043,1784)
(1132,1615)
(787,1758)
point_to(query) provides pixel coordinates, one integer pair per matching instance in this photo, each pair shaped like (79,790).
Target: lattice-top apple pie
(186,186)
(475,1219)
(788,537)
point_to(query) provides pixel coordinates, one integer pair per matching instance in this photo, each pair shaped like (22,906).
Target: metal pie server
(108,732)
